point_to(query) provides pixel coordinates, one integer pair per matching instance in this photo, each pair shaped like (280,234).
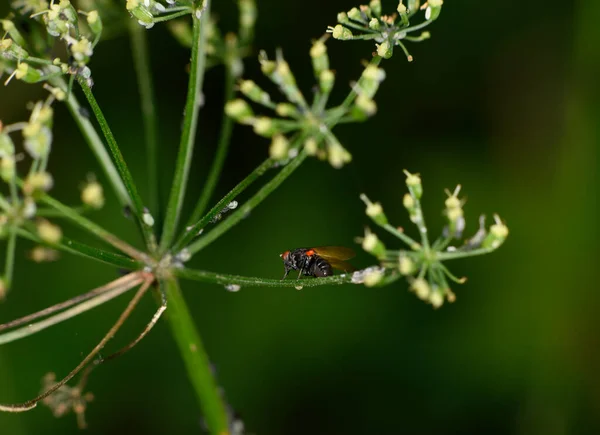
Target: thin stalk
(83,250)
(95,143)
(406,239)
(136,199)
(249,281)
(93,228)
(243,211)
(30,404)
(141,63)
(193,230)
(33,328)
(190,122)
(130,279)
(444,256)
(221,154)
(195,359)
(10,256)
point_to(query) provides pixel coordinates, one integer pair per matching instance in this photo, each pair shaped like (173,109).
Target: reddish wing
(333,253)
(341,265)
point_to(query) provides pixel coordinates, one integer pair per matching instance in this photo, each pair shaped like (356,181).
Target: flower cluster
(423,263)
(19,210)
(149,12)
(388,31)
(309,124)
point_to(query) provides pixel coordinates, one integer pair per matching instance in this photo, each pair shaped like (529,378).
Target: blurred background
(504,99)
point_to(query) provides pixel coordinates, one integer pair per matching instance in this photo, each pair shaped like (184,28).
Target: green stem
(248,281)
(95,143)
(444,256)
(406,239)
(10,256)
(243,211)
(195,359)
(191,233)
(222,147)
(188,136)
(93,228)
(136,199)
(83,250)
(141,63)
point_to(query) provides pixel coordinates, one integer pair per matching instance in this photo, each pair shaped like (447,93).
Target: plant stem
(136,200)
(83,250)
(248,281)
(68,314)
(141,63)
(10,256)
(195,359)
(222,147)
(95,229)
(444,256)
(406,239)
(188,136)
(241,212)
(188,235)
(95,144)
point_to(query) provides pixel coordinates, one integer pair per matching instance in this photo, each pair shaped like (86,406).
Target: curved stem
(221,154)
(188,136)
(95,143)
(248,281)
(143,71)
(195,359)
(136,199)
(243,211)
(193,231)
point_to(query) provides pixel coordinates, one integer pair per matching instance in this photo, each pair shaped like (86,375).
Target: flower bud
(81,51)
(374,24)
(372,245)
(41,254)
(12,51)
(92,195)
(373,277)
(7,146)
(406,266)
(497,235)
(7,168)
(385,49)
(37,140)
(408,202)
(95,23)
(340,32)
(421,288)
(370,79)
(279,147)
(374,211)
(436,298)
(286,110)
(318,54)
(375,6)
(239,110)
(37,182)
(247,18)
(326,81)
(355,14)
(311,146)
(337,155)
(28,73)
(140,12)
(29,208)
(49,232)
(413,182)
(254,92)
(342,18)
(434,8)
(264,126)
(364,107)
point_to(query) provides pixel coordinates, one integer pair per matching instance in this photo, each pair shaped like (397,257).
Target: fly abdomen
(321,267)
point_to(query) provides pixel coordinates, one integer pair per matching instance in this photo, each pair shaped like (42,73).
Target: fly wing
(332,253)
(341,265)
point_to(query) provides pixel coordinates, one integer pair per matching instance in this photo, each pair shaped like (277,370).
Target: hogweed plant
(297,127)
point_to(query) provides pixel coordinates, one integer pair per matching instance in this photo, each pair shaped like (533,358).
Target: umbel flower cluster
(52,43)
(423,263)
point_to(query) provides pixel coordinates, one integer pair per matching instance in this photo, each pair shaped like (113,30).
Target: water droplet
(299,287)
(233,287)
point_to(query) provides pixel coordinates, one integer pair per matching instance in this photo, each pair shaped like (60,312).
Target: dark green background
(504,99)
